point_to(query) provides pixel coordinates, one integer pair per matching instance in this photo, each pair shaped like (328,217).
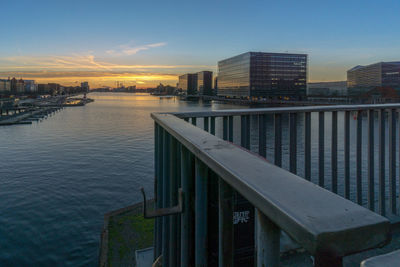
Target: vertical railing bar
(194,120)
(206,127)
(278,139)
(212,125)
(307,146)
(248,137)
(392,160)
(158,173)
(347,154)
(293,142)
(243,131)
(268,241)
(187,217)
(230,128)
(173,199)
(225,128)
(382,200)
(371,197)
(166,199)
(321,149)
(262,137)
(359,158)
(201,204)
(225,220)
(334,152)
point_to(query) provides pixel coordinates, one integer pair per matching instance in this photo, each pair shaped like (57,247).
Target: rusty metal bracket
(163,211)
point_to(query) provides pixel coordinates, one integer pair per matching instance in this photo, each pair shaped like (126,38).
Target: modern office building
(204,82)
(383,74)
(188,83)
(258,74)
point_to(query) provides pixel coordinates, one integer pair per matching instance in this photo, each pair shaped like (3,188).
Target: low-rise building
(338,88)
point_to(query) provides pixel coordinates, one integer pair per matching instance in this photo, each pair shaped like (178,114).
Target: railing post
(293,142)
(194,120)
(201,204)
(159,186)
(206,124)
(173,201)
(307,146)
(262,136)
(371,196)
(382,199)
(347,154)
(278,139)
(166,199)
(225,207)
(212,126)
(334,152)
(225,128)
(187,217)
(321,149)
(268,241)
(359,158)
(230,128)
(392,160)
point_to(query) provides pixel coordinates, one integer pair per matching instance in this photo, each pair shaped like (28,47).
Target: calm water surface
(58,177)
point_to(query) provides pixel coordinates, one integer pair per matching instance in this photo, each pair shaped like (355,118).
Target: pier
(218,203)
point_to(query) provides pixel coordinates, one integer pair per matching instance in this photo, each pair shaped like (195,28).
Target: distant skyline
(145,43)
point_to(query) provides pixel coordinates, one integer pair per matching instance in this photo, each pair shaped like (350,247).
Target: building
(258,74)
(85,86)
(188,83)
(5,86)
(204,82)
(327,88)
(361,79)
(20,86)
(30,86)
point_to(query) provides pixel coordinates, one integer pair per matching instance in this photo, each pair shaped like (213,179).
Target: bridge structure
(201,175)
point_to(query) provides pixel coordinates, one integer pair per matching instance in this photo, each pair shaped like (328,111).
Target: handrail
(255,111)
(320,221)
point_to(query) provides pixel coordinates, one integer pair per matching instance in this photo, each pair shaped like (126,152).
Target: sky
(144,43)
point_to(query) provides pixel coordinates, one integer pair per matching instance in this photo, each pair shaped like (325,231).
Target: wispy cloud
(83,63)
(129,50)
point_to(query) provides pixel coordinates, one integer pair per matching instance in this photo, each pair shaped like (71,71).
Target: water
(58,177)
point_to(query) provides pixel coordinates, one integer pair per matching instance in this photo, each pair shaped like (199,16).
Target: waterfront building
(85,86)
(259,74)
(30,86)
(188,83)
(204,82)
(20,86)
(216,85)
(5,86)
(361,79)
(338,88)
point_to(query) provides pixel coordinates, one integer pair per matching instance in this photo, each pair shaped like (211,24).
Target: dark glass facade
(204,82)
(258,74)
(188,83)
(382,74)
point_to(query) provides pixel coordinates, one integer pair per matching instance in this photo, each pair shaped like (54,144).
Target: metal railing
(206,167)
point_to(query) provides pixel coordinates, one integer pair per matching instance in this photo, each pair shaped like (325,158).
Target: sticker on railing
(241,217)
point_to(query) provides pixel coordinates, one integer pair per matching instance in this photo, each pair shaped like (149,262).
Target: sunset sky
(144,43)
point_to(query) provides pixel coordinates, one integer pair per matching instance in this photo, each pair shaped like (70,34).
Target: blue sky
(159,39)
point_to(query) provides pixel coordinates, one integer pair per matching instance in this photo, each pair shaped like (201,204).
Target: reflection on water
(58,177)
